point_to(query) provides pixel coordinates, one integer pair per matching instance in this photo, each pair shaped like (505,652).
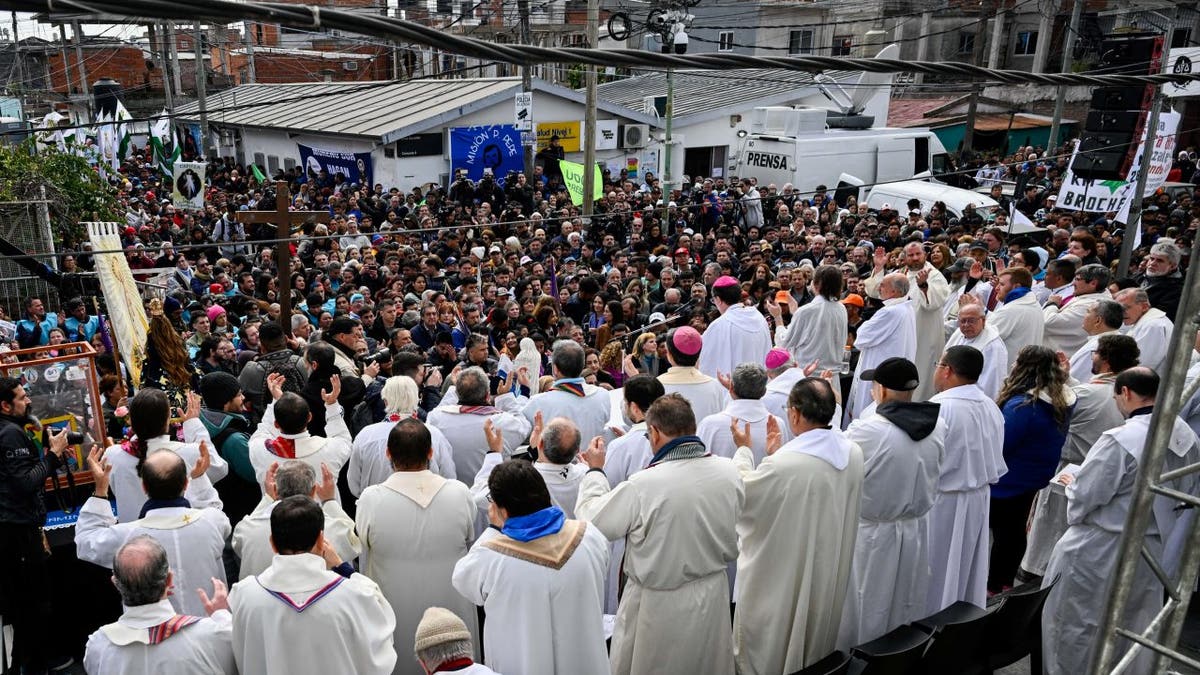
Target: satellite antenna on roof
(850,106)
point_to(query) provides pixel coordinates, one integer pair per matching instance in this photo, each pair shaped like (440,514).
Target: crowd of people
(838,420)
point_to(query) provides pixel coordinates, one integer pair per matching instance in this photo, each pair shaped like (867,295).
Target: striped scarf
(484,410)
(574,388)
(170,627)
(301,606)
(684,447)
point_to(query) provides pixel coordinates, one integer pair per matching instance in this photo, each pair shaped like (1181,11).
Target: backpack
(294,378)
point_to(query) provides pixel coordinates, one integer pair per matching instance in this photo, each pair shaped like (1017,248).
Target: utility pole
(667,177)
(17,74)
(249,41)
(589,113)
(977,57)
(158,55)
(1135,209)
(527,82)
(201,74)
(1068,58)
(83,83)
(173,51)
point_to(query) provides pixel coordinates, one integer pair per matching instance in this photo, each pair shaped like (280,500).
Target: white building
(404,125)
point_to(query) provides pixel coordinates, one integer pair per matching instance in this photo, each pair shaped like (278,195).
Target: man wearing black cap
(902,443)
(230,433)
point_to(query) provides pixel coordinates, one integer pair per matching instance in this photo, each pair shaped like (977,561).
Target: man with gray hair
(556,444)
(150,637)
(252,536)
(1105,317)
(747,386)
(587,405)
(369,464)
(1063,316)
(1150,327)
(890,332)
(1162,280)
(467,406)
(443,643)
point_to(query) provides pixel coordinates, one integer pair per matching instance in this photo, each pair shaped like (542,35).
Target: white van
(898,193)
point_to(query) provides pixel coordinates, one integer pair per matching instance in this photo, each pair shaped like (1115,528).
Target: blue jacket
(1033,444)
(32,333)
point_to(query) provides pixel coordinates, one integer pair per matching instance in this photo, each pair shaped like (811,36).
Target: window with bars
(725,41)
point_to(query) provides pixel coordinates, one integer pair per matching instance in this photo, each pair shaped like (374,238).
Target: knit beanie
(218,388)
(439,626)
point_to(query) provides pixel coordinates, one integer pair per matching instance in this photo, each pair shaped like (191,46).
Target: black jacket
(23,474)
(1164,292)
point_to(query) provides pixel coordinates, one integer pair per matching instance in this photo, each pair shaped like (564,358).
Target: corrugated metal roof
(703,91)
(368,109)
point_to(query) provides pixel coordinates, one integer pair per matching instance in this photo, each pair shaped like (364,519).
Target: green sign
(573,178)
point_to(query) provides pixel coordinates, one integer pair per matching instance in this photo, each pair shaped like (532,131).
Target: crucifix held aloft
(284,222)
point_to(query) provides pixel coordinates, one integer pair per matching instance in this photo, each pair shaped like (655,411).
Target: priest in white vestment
(739,335)
(978,291)
(625,456)
(974,331)
(557,444)
(747,386)
(818,330)
(903,443)
(706,395)
(252,535)
(1098,502)
(973,460)
(369,464)
(1019,321)
(1150,326)
(283,432)
(1095,412)
(680,518)
(462,422)
(782,375)
(928,290)
(149,636)
(1105,317)
(796,537)
(1063,317)
(587,405)
(415,526)
(310,612)
(891,332)
(150,413)
(193,538)
(540,579)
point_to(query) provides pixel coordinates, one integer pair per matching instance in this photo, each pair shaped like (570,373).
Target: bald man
(194,538)
(891,331)
(928,290)
(973,331)
(1150,326)
(150,637)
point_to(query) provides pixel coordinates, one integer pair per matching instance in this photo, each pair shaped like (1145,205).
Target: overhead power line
(313,17)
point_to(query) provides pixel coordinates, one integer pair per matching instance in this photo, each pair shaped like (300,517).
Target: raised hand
(219,599)
(193,407)
(595,453)
(269,481)
(327,489)
(330,396)
(741,437)
(774,435)
(101,470)
(495,437)
(812,367)
(275,385)
(725,380)
(203,463)
(535,436)
(507,385)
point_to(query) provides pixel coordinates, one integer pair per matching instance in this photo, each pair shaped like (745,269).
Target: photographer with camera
(349,344)
(463,190)
(24,573)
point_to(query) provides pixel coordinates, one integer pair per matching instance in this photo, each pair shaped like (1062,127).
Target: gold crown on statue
(156,307)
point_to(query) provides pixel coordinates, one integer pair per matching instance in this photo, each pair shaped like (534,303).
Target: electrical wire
(308,16)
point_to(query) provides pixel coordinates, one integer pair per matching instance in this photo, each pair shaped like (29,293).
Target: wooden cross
(283,220)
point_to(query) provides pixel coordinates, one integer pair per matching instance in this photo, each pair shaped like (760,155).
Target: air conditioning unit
(635,136)
(350,65)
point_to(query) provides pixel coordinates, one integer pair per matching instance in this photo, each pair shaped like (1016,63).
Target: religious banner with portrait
(496,148)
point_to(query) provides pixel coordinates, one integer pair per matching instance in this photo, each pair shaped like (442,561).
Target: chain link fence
(22,225)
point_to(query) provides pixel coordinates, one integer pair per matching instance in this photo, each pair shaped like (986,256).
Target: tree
(75,192)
